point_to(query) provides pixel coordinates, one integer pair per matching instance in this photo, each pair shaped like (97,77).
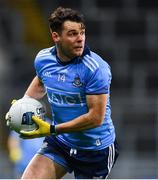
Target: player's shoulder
(44,53)
(99,59)
(93,61)
(44,57)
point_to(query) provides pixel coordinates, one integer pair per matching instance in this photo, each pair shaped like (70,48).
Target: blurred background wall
(125,33)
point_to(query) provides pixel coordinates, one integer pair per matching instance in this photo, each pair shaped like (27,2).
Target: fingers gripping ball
(20,114)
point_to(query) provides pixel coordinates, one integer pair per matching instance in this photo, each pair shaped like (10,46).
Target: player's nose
(80,37)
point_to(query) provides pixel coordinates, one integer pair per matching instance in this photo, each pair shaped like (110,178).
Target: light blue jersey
(67,85)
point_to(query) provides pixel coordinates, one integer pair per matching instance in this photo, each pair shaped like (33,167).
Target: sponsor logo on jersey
(64,98)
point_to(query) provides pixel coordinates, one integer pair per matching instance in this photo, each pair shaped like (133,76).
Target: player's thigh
(42,167)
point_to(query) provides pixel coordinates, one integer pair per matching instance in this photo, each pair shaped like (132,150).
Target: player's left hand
(44,129)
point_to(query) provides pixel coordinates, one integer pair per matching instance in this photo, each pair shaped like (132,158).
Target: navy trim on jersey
(54,52)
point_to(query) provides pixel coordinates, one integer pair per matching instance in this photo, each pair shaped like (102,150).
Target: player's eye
(82,32)
(73,34)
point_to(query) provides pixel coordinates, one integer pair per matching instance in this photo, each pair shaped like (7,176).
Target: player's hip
(99,162)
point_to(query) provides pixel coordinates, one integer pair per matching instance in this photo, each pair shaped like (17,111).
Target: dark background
(125,34)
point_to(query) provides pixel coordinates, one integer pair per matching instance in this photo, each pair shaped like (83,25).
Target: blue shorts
(85,164)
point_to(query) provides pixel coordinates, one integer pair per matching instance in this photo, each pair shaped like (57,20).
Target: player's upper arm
(97,107)
(36,89)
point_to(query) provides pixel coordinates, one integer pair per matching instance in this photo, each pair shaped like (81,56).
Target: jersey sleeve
(42,59)
(37,65)
(99,81)
(40,62)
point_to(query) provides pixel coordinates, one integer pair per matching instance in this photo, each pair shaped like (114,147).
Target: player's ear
(55,36)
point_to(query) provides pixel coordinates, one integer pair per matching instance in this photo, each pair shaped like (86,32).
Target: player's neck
(63,57)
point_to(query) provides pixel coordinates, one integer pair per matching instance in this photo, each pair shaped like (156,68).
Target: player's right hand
(7,116)
(44,129)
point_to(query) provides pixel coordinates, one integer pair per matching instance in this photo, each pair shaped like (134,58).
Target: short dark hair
(60,15)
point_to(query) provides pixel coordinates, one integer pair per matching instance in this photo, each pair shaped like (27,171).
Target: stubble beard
(65,54)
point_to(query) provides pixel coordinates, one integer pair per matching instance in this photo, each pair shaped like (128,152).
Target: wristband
(53,130)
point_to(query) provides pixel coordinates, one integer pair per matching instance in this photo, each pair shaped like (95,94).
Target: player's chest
(66,79)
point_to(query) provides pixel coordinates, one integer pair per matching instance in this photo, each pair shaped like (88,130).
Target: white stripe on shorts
(111,158)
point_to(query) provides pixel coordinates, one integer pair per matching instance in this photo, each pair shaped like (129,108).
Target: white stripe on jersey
(93,60)
(86,64)
(44,52)
(46,66)
(90,63)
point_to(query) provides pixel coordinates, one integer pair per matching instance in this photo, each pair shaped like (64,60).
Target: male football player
(77,83)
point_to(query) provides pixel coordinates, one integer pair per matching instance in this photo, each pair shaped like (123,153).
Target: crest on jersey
(77,82)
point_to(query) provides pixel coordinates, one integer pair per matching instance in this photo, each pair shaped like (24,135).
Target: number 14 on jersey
(61,77)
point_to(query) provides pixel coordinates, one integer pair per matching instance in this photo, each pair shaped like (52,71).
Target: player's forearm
(92,119)
(36,89)
(81,123)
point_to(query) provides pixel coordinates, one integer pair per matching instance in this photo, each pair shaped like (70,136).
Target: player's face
(71,41)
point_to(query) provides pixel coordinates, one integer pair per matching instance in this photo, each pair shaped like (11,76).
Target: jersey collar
(54,52)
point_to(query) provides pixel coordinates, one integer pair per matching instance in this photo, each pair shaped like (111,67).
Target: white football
(20,114)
